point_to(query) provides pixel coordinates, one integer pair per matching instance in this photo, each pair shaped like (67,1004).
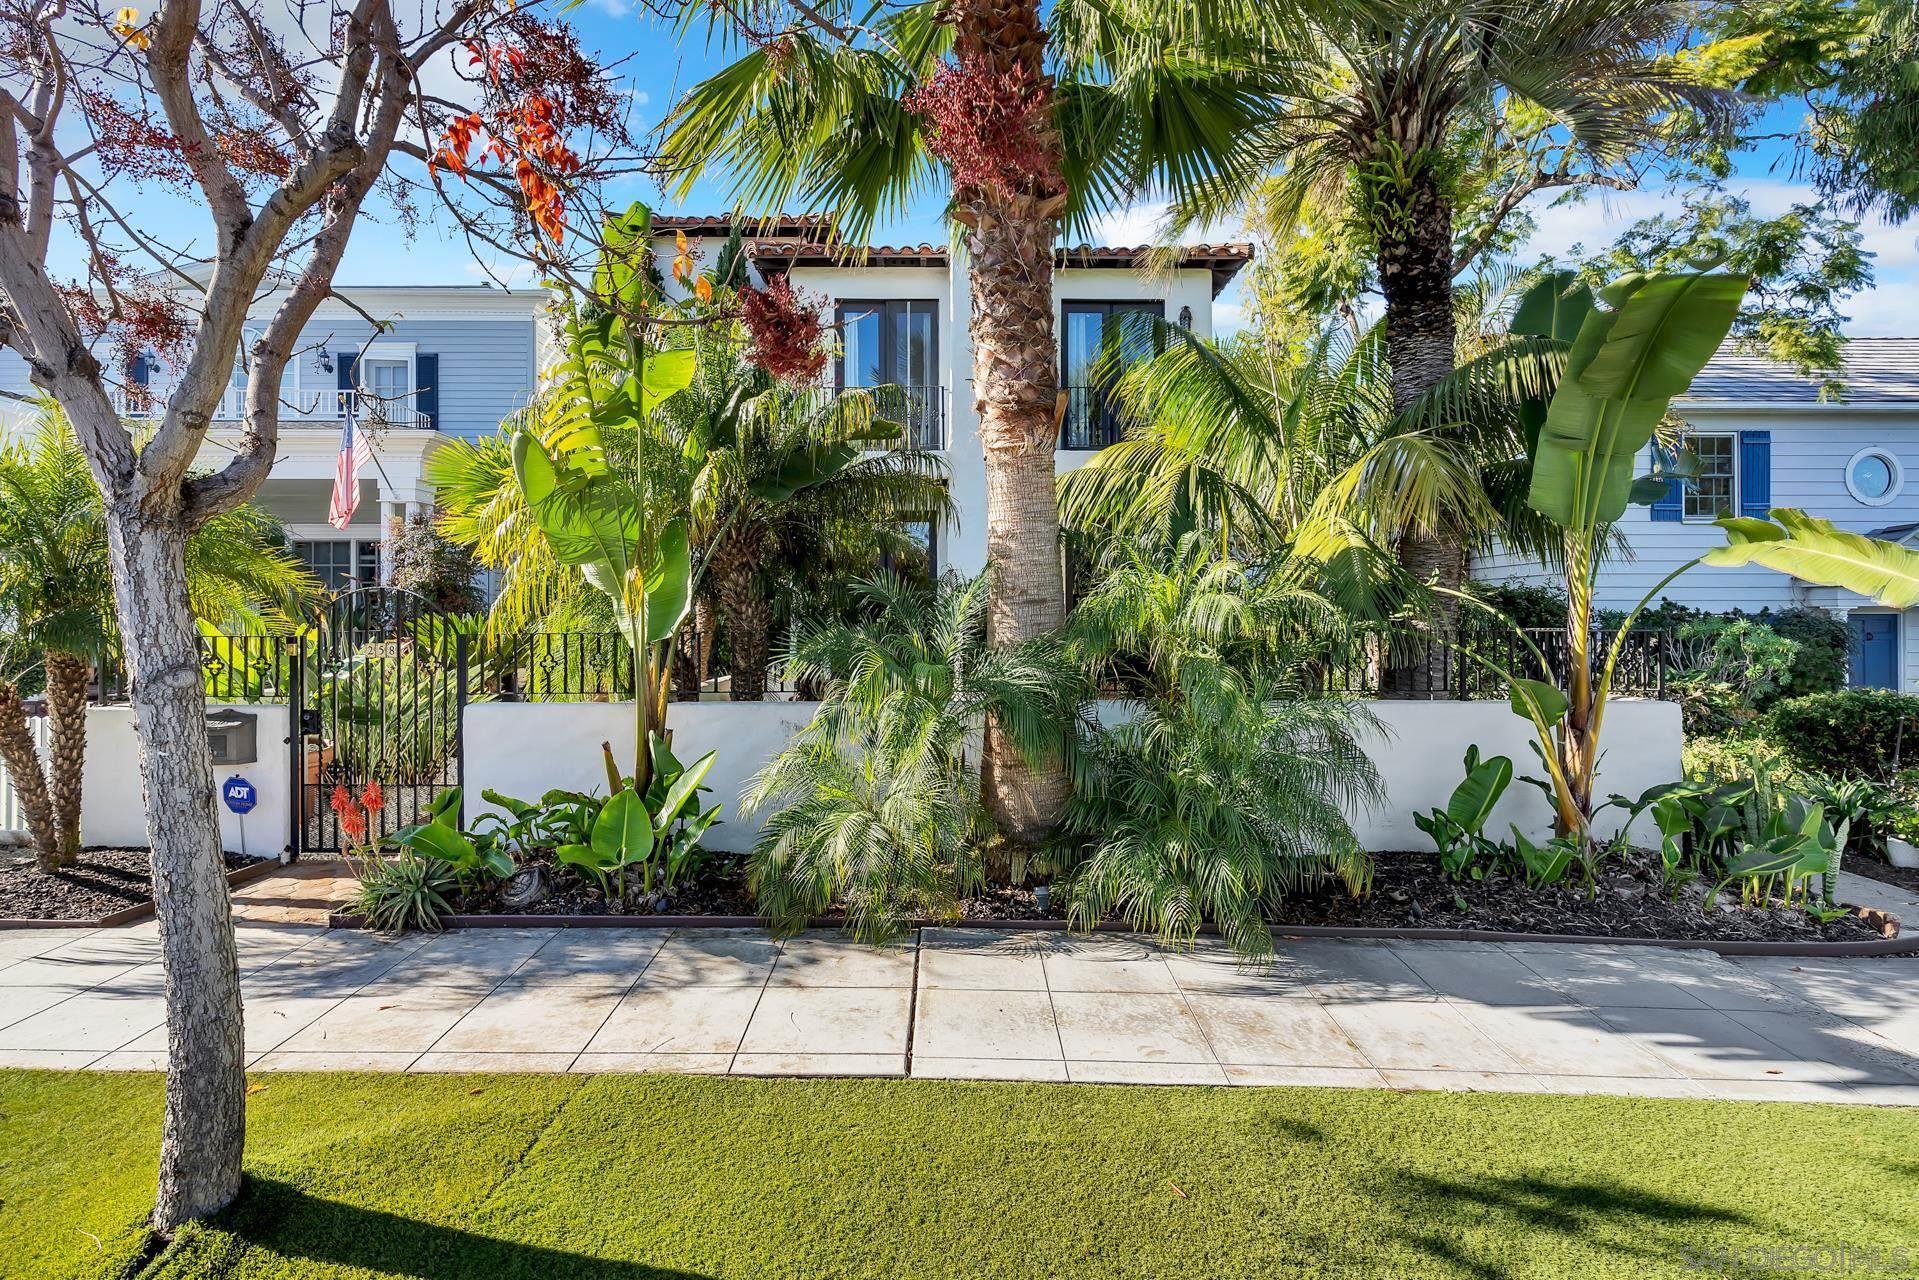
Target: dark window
(341,564)
(1086,329)
(920,557)
(895,344)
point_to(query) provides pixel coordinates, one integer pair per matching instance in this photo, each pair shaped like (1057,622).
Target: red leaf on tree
(787,332)
(992,129)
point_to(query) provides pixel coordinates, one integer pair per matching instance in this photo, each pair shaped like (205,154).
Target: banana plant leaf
(1472,800)
(623,833)
(1816,551)
(1530,698)
(1625,366)
(803,468)
(683,791)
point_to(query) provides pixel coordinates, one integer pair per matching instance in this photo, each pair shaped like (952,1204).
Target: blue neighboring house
(452,362)
(1766,439)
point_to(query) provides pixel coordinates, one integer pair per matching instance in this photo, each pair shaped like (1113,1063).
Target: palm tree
(758,468)
(1026,128)
(875,804)
(748,428)
(1385,98)
(57,589)
(1264,455)
(1232,781)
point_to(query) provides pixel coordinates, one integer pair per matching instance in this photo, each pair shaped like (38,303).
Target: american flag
(355,453)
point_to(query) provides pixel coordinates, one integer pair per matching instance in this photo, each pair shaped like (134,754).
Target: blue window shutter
(1755,473)
(1672,507)
(141,371)
(426,390)
(343,362)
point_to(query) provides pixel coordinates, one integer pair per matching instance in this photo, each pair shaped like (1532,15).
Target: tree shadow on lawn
(278,1219)
(1643,1224)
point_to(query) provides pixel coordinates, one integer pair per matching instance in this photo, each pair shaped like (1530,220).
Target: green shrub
(1725,757)
(875,805)
(1228,788)
(407,892)
(1866,733)
(1825,646)
(1528,605)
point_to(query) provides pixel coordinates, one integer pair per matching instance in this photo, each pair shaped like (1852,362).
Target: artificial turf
(624,1177)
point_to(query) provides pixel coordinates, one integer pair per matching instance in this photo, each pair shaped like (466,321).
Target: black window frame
(1097,425)
(924,411)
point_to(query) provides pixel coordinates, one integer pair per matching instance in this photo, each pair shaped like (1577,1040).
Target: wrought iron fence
(565,666)
(1418,663)
(560,666)
(235,668)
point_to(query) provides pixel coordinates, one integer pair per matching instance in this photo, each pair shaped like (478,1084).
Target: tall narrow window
(895,344)
(1086,330)
(1713,491)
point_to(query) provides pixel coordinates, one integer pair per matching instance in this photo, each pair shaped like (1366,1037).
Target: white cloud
(1145,223)
(1595,221)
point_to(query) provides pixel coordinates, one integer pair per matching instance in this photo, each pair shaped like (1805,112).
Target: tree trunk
(67,676)
(1416,275)
(23,766)
(1009,243)
(744,610)
(693,652)
(204,1129)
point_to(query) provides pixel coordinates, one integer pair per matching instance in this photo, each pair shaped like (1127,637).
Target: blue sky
(660,68)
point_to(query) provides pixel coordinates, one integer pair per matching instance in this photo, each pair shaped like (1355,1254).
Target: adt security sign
(239,795)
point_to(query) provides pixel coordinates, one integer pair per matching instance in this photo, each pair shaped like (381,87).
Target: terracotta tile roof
(721,224)
(1223,260)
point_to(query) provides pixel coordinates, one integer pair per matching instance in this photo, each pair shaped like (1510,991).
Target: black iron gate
(379,685)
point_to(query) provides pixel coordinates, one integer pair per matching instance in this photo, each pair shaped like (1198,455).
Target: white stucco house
(1765,438)
(457,359)
(903,316)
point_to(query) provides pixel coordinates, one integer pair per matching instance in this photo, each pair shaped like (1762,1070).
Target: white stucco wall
(113,808)
(523,749)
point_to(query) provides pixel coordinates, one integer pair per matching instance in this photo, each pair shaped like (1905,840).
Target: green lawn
(555,1178)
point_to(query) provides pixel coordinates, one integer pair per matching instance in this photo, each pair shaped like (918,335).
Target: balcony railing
(920,411)
(1091,420)
(317,407)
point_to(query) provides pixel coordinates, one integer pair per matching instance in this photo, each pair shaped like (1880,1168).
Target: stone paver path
(980,1004)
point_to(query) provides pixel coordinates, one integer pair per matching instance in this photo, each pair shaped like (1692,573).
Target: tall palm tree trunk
(1415,267)
(1009,243)
(24,768)
(745,611)
(67,676)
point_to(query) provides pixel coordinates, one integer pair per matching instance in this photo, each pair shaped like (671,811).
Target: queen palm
(753,465)
(57,590)
(1263,454)
(1026,123)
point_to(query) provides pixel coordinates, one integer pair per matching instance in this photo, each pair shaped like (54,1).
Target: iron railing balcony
(1091,420)
(920,411)
(313,408)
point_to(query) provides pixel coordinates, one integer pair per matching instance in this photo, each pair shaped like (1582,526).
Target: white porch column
(389,515)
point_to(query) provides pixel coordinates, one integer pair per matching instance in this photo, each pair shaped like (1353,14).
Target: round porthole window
(1874,476)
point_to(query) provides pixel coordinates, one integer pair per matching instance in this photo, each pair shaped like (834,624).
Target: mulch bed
(1630,901)
(718,890)
(104,881)
(1409,892)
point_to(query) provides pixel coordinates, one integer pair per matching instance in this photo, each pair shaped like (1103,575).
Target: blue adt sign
(239,794)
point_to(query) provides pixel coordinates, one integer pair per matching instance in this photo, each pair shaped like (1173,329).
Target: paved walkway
(989,1005)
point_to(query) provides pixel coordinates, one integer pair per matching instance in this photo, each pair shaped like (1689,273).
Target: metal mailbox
(234,737)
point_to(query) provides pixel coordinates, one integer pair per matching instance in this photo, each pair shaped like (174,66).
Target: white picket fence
(10,816)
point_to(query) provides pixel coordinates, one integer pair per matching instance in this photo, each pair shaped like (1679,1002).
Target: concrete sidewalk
(981,1004)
